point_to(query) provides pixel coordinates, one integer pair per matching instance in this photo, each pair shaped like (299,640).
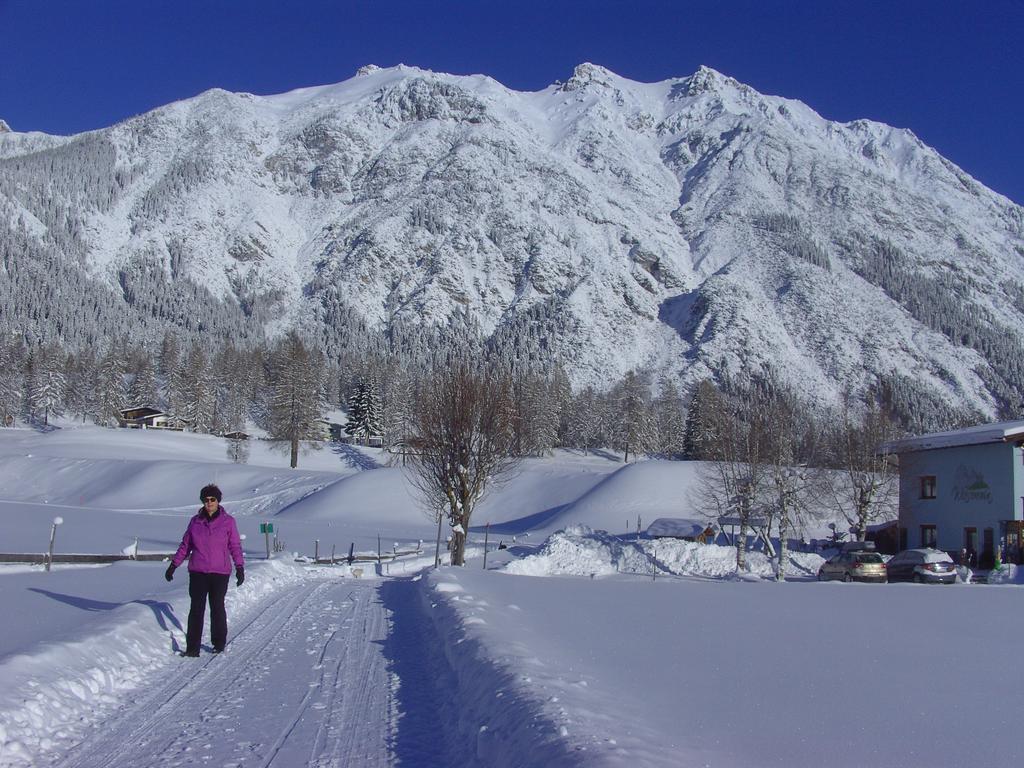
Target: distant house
(326,430)
(236,435)
(964,490)
(339,435)
(885,536)
(143,417)
(681,528)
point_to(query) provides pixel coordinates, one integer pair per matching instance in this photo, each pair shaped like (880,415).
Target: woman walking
(210,543)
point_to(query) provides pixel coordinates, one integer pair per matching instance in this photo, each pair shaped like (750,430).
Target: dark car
(921,566)
(854,566)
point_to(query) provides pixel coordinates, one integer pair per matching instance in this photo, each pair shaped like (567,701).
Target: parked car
(922,565)
(857,565)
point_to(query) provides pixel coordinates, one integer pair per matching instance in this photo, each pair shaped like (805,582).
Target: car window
(916,557)
(869,558)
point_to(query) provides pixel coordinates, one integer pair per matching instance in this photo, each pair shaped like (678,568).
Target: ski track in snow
(307,681)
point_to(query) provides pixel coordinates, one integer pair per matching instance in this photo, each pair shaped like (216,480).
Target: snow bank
(495,709)
(626,672)
(1008,573)
(57,690)
(582,551)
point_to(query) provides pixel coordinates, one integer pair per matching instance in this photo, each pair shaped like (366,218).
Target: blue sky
(951,71)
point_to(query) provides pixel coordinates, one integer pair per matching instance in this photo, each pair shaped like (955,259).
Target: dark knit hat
(210,490)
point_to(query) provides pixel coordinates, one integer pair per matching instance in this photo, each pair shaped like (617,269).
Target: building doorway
(988,550)
(1014,542)
(969,555)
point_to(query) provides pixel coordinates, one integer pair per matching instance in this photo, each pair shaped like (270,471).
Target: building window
(929,536)
(928,487)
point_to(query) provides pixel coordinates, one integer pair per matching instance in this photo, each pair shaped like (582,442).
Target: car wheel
(847,578)
(917,578)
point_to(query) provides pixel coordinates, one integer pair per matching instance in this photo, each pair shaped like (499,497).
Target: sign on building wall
(969,486)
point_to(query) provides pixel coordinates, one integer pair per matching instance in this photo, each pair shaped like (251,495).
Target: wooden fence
(41,557)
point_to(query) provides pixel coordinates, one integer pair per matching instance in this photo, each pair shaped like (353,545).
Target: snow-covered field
(580,644)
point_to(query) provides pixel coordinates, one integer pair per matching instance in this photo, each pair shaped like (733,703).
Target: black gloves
(239,574)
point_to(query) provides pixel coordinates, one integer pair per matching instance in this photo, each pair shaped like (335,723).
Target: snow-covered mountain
(692,225)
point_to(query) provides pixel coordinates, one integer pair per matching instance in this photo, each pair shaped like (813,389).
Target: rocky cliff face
(692,225)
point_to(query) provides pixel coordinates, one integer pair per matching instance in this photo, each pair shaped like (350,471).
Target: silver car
(854,566)
(922,566)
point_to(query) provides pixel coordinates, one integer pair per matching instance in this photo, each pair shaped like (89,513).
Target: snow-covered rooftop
(999,432)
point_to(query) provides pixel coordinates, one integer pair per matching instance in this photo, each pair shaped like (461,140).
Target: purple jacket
(210,544)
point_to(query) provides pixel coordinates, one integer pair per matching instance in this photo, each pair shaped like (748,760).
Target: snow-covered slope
(582,659)
(692,225)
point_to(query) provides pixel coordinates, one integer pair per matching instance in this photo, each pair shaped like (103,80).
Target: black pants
(203,587)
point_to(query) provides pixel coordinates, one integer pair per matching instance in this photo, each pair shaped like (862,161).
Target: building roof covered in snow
(999,432)
(676,527)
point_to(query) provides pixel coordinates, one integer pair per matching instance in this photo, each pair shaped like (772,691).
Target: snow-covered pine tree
(634,426)
(49,383)
(669,419)
(142,390)
(536,415)
(364,412)
(170,354)
(198,390)
(583,422)
(81,371)
(397,402)
(707,405)
(110,388)
(232,402)
(296,379)
(11,382)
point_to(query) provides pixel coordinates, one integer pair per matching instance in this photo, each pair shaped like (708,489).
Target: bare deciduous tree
(757,449)
(791,447)
(866,488)
(463,441)
(734,482)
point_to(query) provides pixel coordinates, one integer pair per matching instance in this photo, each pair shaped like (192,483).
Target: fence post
(332,554)
(53,535)
(437,549)
(316,551)
(487,535)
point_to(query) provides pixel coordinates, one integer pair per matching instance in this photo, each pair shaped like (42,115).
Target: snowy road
(310,679)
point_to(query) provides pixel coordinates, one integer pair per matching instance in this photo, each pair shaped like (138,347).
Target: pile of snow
(1007,573)
(582,551)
